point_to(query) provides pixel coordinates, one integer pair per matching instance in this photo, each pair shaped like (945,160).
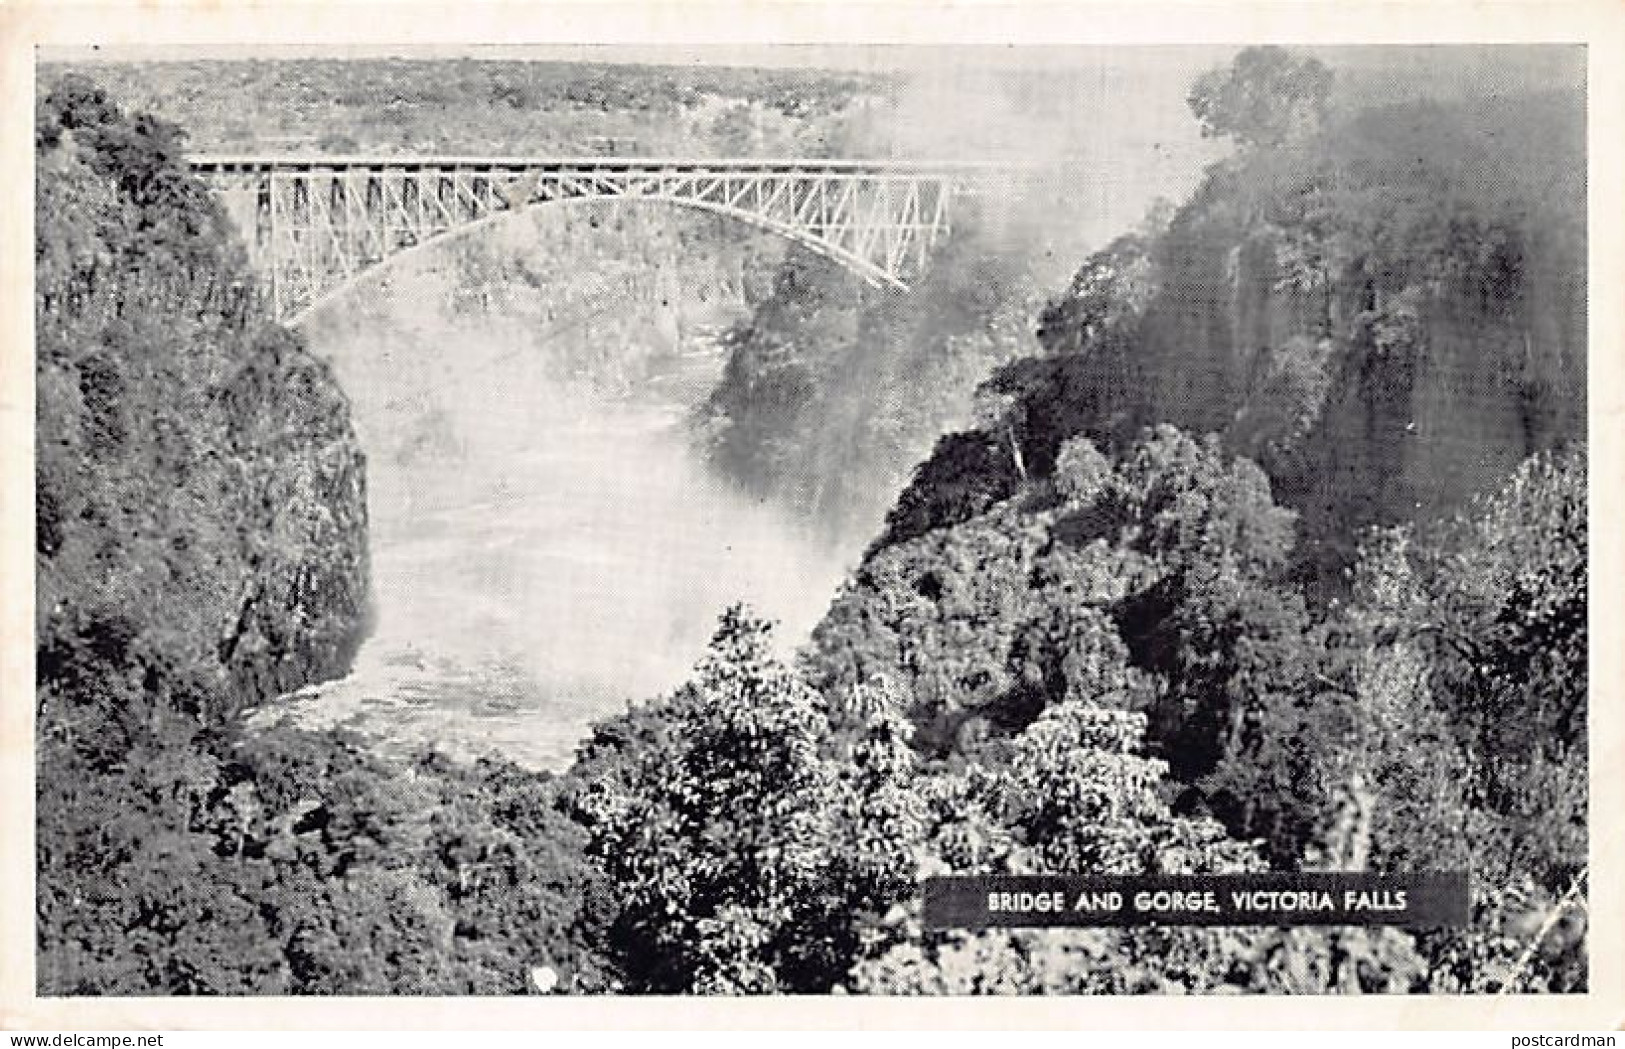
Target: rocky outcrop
(304,603)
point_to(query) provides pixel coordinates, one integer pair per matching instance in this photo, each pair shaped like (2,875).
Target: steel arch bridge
(316,225)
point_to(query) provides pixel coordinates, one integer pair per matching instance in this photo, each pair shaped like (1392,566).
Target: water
(570,557)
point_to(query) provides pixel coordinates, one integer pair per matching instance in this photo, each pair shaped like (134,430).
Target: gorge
(404,653)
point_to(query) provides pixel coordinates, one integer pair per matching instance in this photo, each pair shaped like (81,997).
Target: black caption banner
(1309,898)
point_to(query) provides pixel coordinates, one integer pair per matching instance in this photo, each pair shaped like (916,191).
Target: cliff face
(201,547)
(304,596)
(1388,316)
(201,499)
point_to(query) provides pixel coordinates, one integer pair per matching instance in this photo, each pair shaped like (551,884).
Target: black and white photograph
(522,519)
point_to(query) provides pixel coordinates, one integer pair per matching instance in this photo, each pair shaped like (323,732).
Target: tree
(714,838)
(1441,730)
(1076,797)
(754,836)
(1509,597)
(1172,553)
(1266,97)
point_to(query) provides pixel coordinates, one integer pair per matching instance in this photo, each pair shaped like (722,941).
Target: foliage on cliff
(1170,556)
(1386,317)
(200,548)
(181,861)
(1386,311)
(201,509)
(1110,673)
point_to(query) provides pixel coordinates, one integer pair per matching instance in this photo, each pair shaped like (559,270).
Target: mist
(546,548)
(1102,134)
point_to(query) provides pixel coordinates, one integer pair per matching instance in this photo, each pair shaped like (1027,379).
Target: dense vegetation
(1263,547)
(497,107)
(1340,611)
(201,547)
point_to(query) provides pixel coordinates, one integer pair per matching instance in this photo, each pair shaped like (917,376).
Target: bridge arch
(316,225)
(381,269)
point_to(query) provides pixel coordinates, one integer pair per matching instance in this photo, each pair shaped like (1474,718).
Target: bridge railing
(303,161)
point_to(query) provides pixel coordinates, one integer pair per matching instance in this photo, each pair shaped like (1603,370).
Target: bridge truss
(315,225)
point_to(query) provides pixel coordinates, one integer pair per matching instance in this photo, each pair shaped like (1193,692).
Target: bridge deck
(245,162)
